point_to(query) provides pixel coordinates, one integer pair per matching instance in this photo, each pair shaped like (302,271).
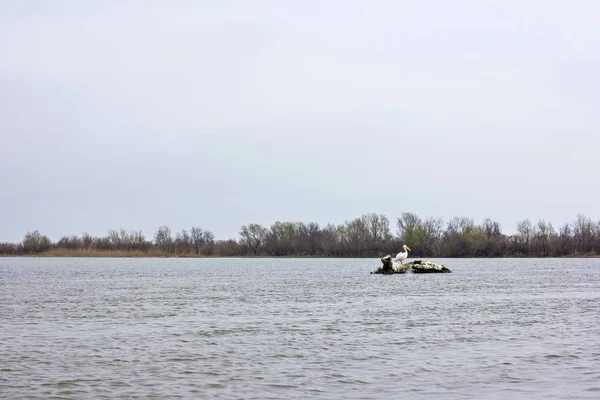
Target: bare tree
(491,228)
(114,239)
(495,240)
(68,242)
(183,242)
(253,236)
(408,221)
(453,226)
(9,248)
(412,232)
(163,239)
(365,236)
(197,238)
(315,238)
(379,227)
(584,232)
(201,240)
(137,240)
(35,242)
(86,240)
(330,240)
(565,240)
(433,233)
(524,234)
(543,233)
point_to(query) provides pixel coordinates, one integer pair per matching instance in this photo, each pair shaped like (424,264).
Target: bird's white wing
(398,256)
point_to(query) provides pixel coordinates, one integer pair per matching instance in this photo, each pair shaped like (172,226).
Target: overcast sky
(135,114)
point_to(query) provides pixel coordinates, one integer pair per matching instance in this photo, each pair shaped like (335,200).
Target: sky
(136,114)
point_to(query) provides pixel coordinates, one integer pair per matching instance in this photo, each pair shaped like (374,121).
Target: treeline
(366,236)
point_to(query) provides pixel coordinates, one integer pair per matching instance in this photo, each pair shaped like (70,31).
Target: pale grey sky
(143,113)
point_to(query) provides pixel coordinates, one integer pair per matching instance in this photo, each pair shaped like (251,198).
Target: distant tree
(163,239)
(378,226)
(543,234)
(408,221)
(124,240)
(412,232)
(301,239)
(524,234)
(280,239)
(433,230)
(330,240)
(253,235)
(380,236)
(197,238)
(102,243)
(584,234)
(462,238)
(8,249)
(183,242)
(496,242)
(137,241)
(227,248)
(210,243)
(366,236)
(315,238)
(475,240)
(565,240)
(35,242)
(86,240)
(68,242)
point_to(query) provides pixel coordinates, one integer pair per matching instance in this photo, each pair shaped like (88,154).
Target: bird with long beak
(403,255)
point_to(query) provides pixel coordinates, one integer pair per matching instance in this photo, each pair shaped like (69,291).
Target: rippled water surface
(298,328)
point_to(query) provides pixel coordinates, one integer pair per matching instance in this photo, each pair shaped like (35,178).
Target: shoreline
(123,254)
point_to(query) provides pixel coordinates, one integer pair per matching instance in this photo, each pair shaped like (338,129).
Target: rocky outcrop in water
(417,266)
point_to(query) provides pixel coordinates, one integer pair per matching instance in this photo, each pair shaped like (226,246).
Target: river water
(298,328)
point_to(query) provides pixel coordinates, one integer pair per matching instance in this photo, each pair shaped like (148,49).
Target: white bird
(403,255)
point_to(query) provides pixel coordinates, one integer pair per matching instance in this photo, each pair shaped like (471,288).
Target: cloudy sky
(135,114)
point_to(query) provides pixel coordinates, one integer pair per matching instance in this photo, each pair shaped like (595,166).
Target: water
(298,328)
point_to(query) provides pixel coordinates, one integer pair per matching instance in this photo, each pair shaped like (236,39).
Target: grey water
(298,328)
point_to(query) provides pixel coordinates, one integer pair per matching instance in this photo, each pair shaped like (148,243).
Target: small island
(417,266)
